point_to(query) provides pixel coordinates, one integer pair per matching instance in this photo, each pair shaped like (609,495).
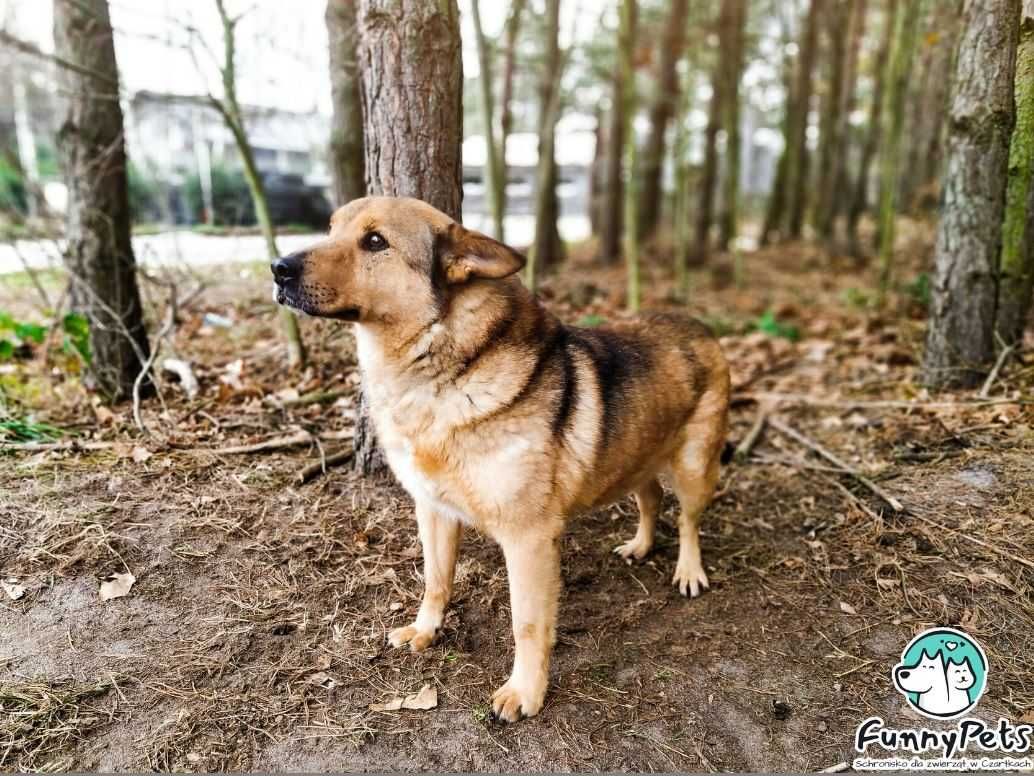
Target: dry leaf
(141,454)
(12,588)
(323,679)
(846,608)
(426,699)
(116,586)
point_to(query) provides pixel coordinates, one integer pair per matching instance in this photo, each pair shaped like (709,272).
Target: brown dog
(494,414)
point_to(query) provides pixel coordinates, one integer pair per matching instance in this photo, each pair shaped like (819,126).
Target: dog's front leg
(440,538)
(533,568)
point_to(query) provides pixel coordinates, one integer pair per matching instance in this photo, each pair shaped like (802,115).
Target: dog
(495,415)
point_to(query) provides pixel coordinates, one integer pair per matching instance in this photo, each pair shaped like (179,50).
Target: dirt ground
(255,634)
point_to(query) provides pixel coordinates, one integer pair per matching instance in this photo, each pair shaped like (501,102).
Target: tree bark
(797,162)
(546,248)
(661,112)
(626,63)
(860,194)
(411,74)
(597,173)
(960,339)
(1016,266)
(709,174)
(838,15)
(899,68)
(91,144)
(613,195)
(347,163)
(513,24)
(732,53)
(493,173)
(775,209)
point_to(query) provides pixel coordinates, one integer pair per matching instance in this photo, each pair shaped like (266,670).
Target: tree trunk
(613,195)
(709,174)
(775,209)
(960,340)
(626,63)
(597,174)
(681,221)
(899,67)
(493,174)
(661,111)
(860,193)
(513,24)
(831,127)
(346,133)
(797,162)
(1016,274)
(546,249)
(734,32)
(229,108)
(412,88)
(99,256)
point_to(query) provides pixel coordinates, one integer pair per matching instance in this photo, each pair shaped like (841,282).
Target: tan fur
(493,414)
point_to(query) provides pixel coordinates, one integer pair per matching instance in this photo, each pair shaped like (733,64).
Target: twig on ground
(797,436)
(42,447)
(313,470)
(985,390)
(785,399)
(986,545)
(838,768)
(277,443)
(744,447)
(314,397)
(170,321)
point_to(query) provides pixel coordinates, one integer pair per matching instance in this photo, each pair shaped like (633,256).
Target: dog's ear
(464,254)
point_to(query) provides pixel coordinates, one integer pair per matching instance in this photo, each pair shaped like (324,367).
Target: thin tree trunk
(860,194)
(709,174)
(513,24)
(229,108)
(775,209)
(733,53)
(831,126)
(899,67)
(626,63)
(597,173)
(960,339)
(681,220)
(544,249)
(610,235)
(493,173)
(99,256)
(347,163)
(798,163)
(1016,274)
(661,111)
(411,69)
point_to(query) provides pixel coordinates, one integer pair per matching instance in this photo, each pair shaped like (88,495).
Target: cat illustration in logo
(942,673)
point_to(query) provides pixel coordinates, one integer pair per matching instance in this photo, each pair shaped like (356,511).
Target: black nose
(287,268)
(904,674)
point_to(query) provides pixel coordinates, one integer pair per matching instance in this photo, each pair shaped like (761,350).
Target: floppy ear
(465,254)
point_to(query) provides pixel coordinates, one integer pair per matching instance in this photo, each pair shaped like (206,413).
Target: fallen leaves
(426,699)
(116,586)
(13,588)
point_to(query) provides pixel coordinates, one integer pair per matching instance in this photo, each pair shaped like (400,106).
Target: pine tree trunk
(546,248)
(513,25)
(613,193)
(347,160)
(493,174)
(734,33)
(661,111)
(775,209)
(960,339)
(798,163)
(860,194)
(899,68)
(831,127)
(99,256)
(1016,273)
(411,72)
(597,173)
(626,63)
(709,173)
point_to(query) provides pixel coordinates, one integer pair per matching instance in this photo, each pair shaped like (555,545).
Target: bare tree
(91,142)
(347,163)
(960,341)
(411,68)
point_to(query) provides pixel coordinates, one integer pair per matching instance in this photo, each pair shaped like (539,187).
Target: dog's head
(922,676)
(389,259)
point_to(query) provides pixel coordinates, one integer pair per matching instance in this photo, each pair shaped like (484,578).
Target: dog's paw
(635,548)
(690,580)
(418,640)
(510,703)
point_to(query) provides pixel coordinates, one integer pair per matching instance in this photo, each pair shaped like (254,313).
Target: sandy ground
(255,634)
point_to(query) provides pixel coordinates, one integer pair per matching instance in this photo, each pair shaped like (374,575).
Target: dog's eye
(374,241)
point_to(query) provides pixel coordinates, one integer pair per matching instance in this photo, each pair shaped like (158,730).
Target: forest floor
(254,636)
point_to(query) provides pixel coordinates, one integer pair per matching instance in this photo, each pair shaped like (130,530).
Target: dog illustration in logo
(942,673)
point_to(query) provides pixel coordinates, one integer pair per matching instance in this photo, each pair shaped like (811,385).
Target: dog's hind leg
(440,537)
(648,499)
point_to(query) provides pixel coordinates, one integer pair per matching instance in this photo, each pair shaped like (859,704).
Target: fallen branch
(313,470)
(985,390)
(744,447)
(277,443)
(74,445)
(986,545)
(889,404)
(797,436)
(314,397)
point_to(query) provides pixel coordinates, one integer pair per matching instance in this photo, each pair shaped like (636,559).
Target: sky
(281,45)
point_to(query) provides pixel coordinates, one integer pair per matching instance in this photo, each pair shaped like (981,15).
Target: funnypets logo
(942,674)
